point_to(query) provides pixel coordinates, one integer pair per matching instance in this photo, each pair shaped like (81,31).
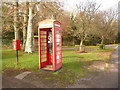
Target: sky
(105,4)
(70,4)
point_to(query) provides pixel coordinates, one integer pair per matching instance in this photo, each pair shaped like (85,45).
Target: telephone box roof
(47,23)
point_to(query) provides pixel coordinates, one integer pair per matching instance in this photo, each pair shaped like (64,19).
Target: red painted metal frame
(57,66)
(53,55)
(54,48)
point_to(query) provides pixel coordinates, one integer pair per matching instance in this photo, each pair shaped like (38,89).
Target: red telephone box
(16,44)
(50,45)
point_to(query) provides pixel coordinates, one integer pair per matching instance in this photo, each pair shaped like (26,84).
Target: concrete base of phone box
(50,70)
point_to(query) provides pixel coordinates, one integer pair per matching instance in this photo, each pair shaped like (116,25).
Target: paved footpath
(11,82)
(105,79)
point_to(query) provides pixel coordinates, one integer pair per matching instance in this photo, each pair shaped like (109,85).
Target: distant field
(87,46)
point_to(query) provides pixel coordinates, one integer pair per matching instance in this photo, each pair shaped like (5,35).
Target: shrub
(101,46)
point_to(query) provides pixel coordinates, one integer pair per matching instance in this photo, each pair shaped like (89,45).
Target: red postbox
(16,44)
(50,45)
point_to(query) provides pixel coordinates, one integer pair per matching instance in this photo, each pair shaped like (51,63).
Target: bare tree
(84,20)
(29,47)
(16,29)
(51,10)
(106,25)
(25,23)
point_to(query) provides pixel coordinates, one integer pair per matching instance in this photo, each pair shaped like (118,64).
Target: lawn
(73,63)
(71,59)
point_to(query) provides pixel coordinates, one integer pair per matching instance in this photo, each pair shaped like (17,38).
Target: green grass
(70,46)
(71,60)
(75,61)
(73,64)
(28,61)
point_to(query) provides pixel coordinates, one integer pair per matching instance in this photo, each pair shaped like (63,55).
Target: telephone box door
(43,48)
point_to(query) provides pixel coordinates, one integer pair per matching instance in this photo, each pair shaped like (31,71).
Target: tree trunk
(102,46)
(16,29)
(25,23)
(81,43)
(102,41)
(114,41)
(29,43)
